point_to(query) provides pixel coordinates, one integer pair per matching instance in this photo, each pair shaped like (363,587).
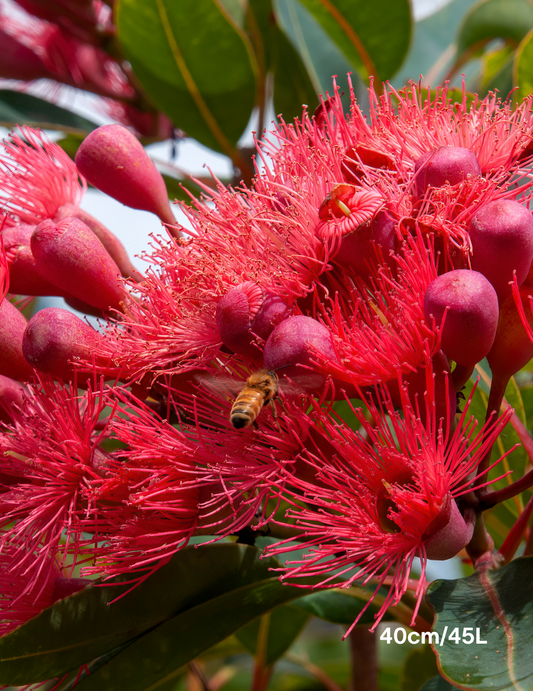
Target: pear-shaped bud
(445,165)
(449,532)
(292,347)
(55,339)
(11,394)
(114,161)
(248,312)
(24,278)
(471,306)
(70,255)
(109,241)
(12,326)
(502,240)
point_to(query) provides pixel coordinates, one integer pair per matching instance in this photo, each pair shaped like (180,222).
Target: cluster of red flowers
(371,262)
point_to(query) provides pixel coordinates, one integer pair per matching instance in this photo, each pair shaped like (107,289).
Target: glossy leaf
(338,606)
(437,684)
(498,72)
(523,67)
(195,62)
(18,108)
(373,36)
(507,19)
(83,626)
(498,605)
(420,666)
(284,625)
(158,656)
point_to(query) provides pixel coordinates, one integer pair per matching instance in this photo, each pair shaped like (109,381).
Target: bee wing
(223,387)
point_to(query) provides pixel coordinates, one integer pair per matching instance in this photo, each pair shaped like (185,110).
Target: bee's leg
(255,425)
(272,403)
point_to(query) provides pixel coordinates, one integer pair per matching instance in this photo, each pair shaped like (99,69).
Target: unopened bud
(502,240)
(292,347)
(471,307)
(70,255)
(12,326)
(55,339)
(449,532)
(245,313)
(11,394)
(114,161)
(512,348)
(444,165)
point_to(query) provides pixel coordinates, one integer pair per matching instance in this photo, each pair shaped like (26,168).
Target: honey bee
(262,387)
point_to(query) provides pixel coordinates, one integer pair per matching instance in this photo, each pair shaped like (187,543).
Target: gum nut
(471,306)
(292,347)
(55,338)
(444,165)
(502,241)
(450,532)
(115,162)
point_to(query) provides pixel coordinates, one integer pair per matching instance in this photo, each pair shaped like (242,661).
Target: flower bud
(114,161)
(70,255)
(11,394)
(502,240)
(512,347)
(55,338)
(109,241)
(449,532)
(444,165)
(246,312)
(12,325)
(292,347)
(471,307)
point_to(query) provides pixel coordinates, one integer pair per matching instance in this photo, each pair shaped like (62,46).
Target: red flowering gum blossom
(444,165)
(109,241)
(12,326)
(471,307)
(292,347)
(345,208)
(502,240)
(358,250)
(246,312)
(449,532)
(113,160)
(70,255)
(24,278)
(54,338)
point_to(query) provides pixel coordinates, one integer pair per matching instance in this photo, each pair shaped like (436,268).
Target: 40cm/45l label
(466,635)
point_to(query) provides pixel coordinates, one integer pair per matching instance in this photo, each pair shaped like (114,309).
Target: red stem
(364,659)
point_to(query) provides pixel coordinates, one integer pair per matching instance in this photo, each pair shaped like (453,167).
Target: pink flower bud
(291,347)
(449,532)
(512,348)
(12,325)
(502,242)
(471,307)
(55,338)
(11,394)
(70,255)
(24,278)
(444,165)
(17,61)
(113,160)
(247,312)
(109,241)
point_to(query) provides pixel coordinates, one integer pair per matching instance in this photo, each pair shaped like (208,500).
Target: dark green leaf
(437,684)
(158,656)
(523,67)
(498,72)
(373,36)
(498,605)
(195,63)
(83,626)
(338,606)
(419,667)
(284,625)
(17,108)
(292,85)
(507,19)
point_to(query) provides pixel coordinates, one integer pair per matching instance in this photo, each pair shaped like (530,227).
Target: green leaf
(523,69)
(490,19)
(195,63)
(339,606)
(373,36)
(498,605)
(82,627)
(17,108)
(498,72)
(437,684)
(284,626)
(157,657)
(292,85)
(419,667)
